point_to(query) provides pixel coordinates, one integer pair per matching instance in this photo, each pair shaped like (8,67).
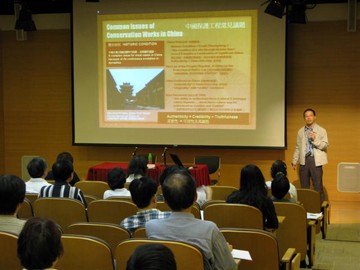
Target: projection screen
(191,73)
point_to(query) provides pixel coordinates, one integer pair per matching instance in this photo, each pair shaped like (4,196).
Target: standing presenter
(311,152)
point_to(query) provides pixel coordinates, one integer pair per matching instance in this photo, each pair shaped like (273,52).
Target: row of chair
(89,252)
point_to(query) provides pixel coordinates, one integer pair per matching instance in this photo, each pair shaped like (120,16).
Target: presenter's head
(309,116)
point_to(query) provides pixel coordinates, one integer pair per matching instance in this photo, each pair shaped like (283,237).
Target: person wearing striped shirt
(63,172)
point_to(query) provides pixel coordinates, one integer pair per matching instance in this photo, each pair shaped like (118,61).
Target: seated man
(12,194)
(179,190)
(204,193)
(39,244)
(63,172)
(116,180)
(68,156)
(143,192)
(280,187)
(37,169)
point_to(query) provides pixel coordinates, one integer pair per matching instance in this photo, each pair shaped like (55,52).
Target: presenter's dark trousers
(315,172)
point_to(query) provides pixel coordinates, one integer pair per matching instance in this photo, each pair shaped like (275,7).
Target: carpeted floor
(340,250)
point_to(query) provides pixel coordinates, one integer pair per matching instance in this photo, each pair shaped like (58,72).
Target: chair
(263,249)
(121,198)
(195,210)
(31,197)
(139,233)
(8,251)
(26,210)
(94,188)
(112,234)
(222,192)
(90,198)
(213,163)
(85,252)
(186,255)
(295,231)
(228,215)
(311,200)
(210,202)
(110,211)
(63,211)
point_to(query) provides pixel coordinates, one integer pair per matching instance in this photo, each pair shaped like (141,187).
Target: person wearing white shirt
(116,180)
(37,169)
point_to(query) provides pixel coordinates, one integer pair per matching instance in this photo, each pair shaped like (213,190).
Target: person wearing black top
(253,191)
(68,156)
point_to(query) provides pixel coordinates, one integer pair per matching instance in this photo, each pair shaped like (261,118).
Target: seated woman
(116,179)
(253,191)
(39,244)
(137,168)
(279,188)
(280,166)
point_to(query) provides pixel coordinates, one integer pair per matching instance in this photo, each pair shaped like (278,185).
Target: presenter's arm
(320,140)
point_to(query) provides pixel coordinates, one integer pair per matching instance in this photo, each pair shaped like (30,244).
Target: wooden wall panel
(2,149)
(323,73)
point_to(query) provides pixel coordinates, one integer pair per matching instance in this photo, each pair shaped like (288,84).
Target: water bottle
(150,158)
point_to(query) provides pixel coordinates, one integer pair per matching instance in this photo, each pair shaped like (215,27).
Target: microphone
(134,152)
(164,155)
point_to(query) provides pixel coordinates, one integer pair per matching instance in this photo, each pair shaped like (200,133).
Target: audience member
(143,194)
(253,191)
(39,244)
(12,194)
(280,166)
(37,169)
(63,172)
(137,168)
(204,193)
(179,190)
(152,257)
(280,187)
(116,179)
(67,156)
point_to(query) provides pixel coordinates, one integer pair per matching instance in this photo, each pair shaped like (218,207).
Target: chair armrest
(290,260)
(311,234)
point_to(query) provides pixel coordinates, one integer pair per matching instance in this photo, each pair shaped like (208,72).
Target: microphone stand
(164,156)
(134,152)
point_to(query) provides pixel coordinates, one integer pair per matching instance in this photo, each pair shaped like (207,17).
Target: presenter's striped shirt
(62,190)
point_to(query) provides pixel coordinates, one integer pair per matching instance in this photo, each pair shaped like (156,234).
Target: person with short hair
(37,169)
(152,257)
(137,168)
(179,190)
(12,194)
(39,244)
(67,156)
(280,187)
(204,193)
(253,192)
(63,172)
(116,179)
(143,194)
(280,166)
(311,152)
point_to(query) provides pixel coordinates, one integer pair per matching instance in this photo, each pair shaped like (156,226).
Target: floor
(341,249)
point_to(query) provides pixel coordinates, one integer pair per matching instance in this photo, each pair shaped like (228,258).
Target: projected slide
(178,72)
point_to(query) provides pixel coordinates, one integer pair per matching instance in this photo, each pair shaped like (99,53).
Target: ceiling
(64,6)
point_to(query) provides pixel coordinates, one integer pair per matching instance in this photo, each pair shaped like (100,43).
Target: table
(99,172)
